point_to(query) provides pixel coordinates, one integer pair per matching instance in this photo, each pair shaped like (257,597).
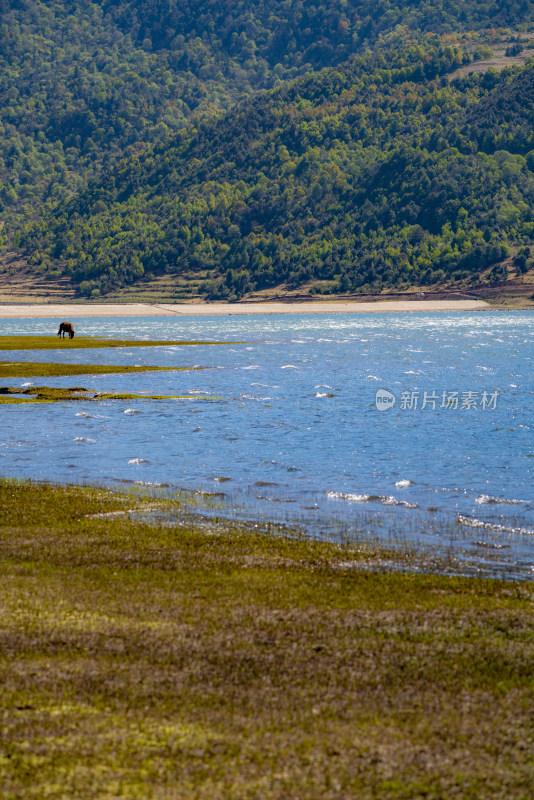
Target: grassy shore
(36,369)
(213,660)
(10,395)
(47,394)
(85,342)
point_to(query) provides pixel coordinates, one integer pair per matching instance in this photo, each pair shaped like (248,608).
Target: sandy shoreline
(75,310)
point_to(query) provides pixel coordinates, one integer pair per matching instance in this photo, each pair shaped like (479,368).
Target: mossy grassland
(35,369)
(213,660)
(47,394)
(86,342)
(53,394)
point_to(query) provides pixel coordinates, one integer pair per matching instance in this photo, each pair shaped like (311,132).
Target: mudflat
(74,310)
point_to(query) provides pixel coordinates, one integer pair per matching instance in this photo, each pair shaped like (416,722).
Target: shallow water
(296,431)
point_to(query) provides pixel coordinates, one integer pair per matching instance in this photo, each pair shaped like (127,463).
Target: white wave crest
(251,397)
(486,498)
(351,498)
(473,522)
(366,498)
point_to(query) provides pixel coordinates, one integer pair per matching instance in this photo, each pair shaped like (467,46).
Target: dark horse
(66,327)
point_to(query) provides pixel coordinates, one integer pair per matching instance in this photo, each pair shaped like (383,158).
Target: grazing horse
(66,327)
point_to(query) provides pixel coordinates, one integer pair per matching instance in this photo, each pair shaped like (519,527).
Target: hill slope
(366,176)
(290,34)
(93,94)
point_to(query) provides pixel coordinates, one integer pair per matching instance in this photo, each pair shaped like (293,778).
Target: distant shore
(73,310)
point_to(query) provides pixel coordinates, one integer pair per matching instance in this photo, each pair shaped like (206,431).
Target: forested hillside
(76,94)
(366,177)
(288,34)
(166,137)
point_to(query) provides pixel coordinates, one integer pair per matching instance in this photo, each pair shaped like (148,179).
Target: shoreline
(73,310)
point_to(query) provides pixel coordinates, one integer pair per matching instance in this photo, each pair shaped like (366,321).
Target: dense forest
(262,144)
(289,34)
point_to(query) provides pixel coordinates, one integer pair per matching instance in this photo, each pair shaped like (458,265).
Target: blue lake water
(296,434)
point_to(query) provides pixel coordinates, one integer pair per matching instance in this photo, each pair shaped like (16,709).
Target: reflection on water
(297,435)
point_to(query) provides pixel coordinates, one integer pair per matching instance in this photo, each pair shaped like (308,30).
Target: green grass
(128,396)
(36,369)
(211,660)
(85,342)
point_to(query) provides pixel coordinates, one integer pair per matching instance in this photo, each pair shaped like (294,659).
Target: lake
(443,462)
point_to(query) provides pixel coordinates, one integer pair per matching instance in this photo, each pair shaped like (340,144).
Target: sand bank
(74,310)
